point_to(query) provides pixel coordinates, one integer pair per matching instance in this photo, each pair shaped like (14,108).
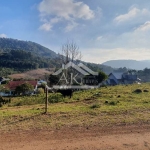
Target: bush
(40,91)
(145,91)
(137,91)
(55,98)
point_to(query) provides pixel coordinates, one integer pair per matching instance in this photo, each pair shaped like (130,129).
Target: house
(42,82)
(114,79)
(130,78)
(2,80)
(121,78)
(13,84)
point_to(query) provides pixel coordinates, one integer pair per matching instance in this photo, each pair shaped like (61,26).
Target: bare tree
(70,52)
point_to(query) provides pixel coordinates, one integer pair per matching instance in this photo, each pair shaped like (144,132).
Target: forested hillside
(18,61)
(18,56)
(7,44)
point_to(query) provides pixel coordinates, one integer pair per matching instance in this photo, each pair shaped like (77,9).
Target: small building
(2,80)
(117,78)
(114,78)
(13,84)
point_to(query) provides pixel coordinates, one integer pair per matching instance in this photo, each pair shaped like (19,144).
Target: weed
(95,106)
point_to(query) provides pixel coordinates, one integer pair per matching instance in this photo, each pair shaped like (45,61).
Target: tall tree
(70,52)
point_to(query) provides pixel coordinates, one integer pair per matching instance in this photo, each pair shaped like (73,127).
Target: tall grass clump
(28,100)
(55,98)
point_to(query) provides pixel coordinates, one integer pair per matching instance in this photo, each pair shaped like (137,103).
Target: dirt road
(79,138)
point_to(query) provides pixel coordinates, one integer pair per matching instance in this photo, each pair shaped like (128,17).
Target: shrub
(40,91)
(145,91)
(55,98)
(138,91)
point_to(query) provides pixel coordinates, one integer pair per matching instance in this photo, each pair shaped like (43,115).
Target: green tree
(24,88)
(101,76)
(53,79)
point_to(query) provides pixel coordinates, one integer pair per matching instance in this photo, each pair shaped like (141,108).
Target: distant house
(114,79)
(129,78)
(2,79)
(41,82)
(121,78)
(13,84)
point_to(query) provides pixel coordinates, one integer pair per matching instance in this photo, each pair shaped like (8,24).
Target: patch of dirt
(135,137)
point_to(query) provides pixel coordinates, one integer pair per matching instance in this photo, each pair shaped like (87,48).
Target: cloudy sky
(103,29)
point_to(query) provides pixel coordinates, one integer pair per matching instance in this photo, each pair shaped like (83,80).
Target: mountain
(130,64)
(8,44)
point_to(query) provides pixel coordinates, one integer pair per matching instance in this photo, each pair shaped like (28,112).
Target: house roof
(71,64)
(13,84)
(118,75)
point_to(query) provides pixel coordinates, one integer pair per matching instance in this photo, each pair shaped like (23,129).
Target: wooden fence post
(46,101)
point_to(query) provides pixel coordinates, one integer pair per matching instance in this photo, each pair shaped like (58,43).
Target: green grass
(106,106)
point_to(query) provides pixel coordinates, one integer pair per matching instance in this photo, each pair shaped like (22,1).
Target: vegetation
(106,106)
(53,80)
(101,76)
(24,89)
(30,55)
(8,44)
(144,75)
(21,60)
(18,56)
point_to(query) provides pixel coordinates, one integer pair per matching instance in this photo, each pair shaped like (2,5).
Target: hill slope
(20,60)
(131,64)
(7,44)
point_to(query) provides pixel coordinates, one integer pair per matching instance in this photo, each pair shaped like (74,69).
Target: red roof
(13,84)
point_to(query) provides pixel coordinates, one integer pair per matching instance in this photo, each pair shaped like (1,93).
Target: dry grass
(32,74)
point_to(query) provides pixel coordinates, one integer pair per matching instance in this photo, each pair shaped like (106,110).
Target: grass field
(106,106)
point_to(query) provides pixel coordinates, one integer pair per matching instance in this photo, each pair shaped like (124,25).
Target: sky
(103,29)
